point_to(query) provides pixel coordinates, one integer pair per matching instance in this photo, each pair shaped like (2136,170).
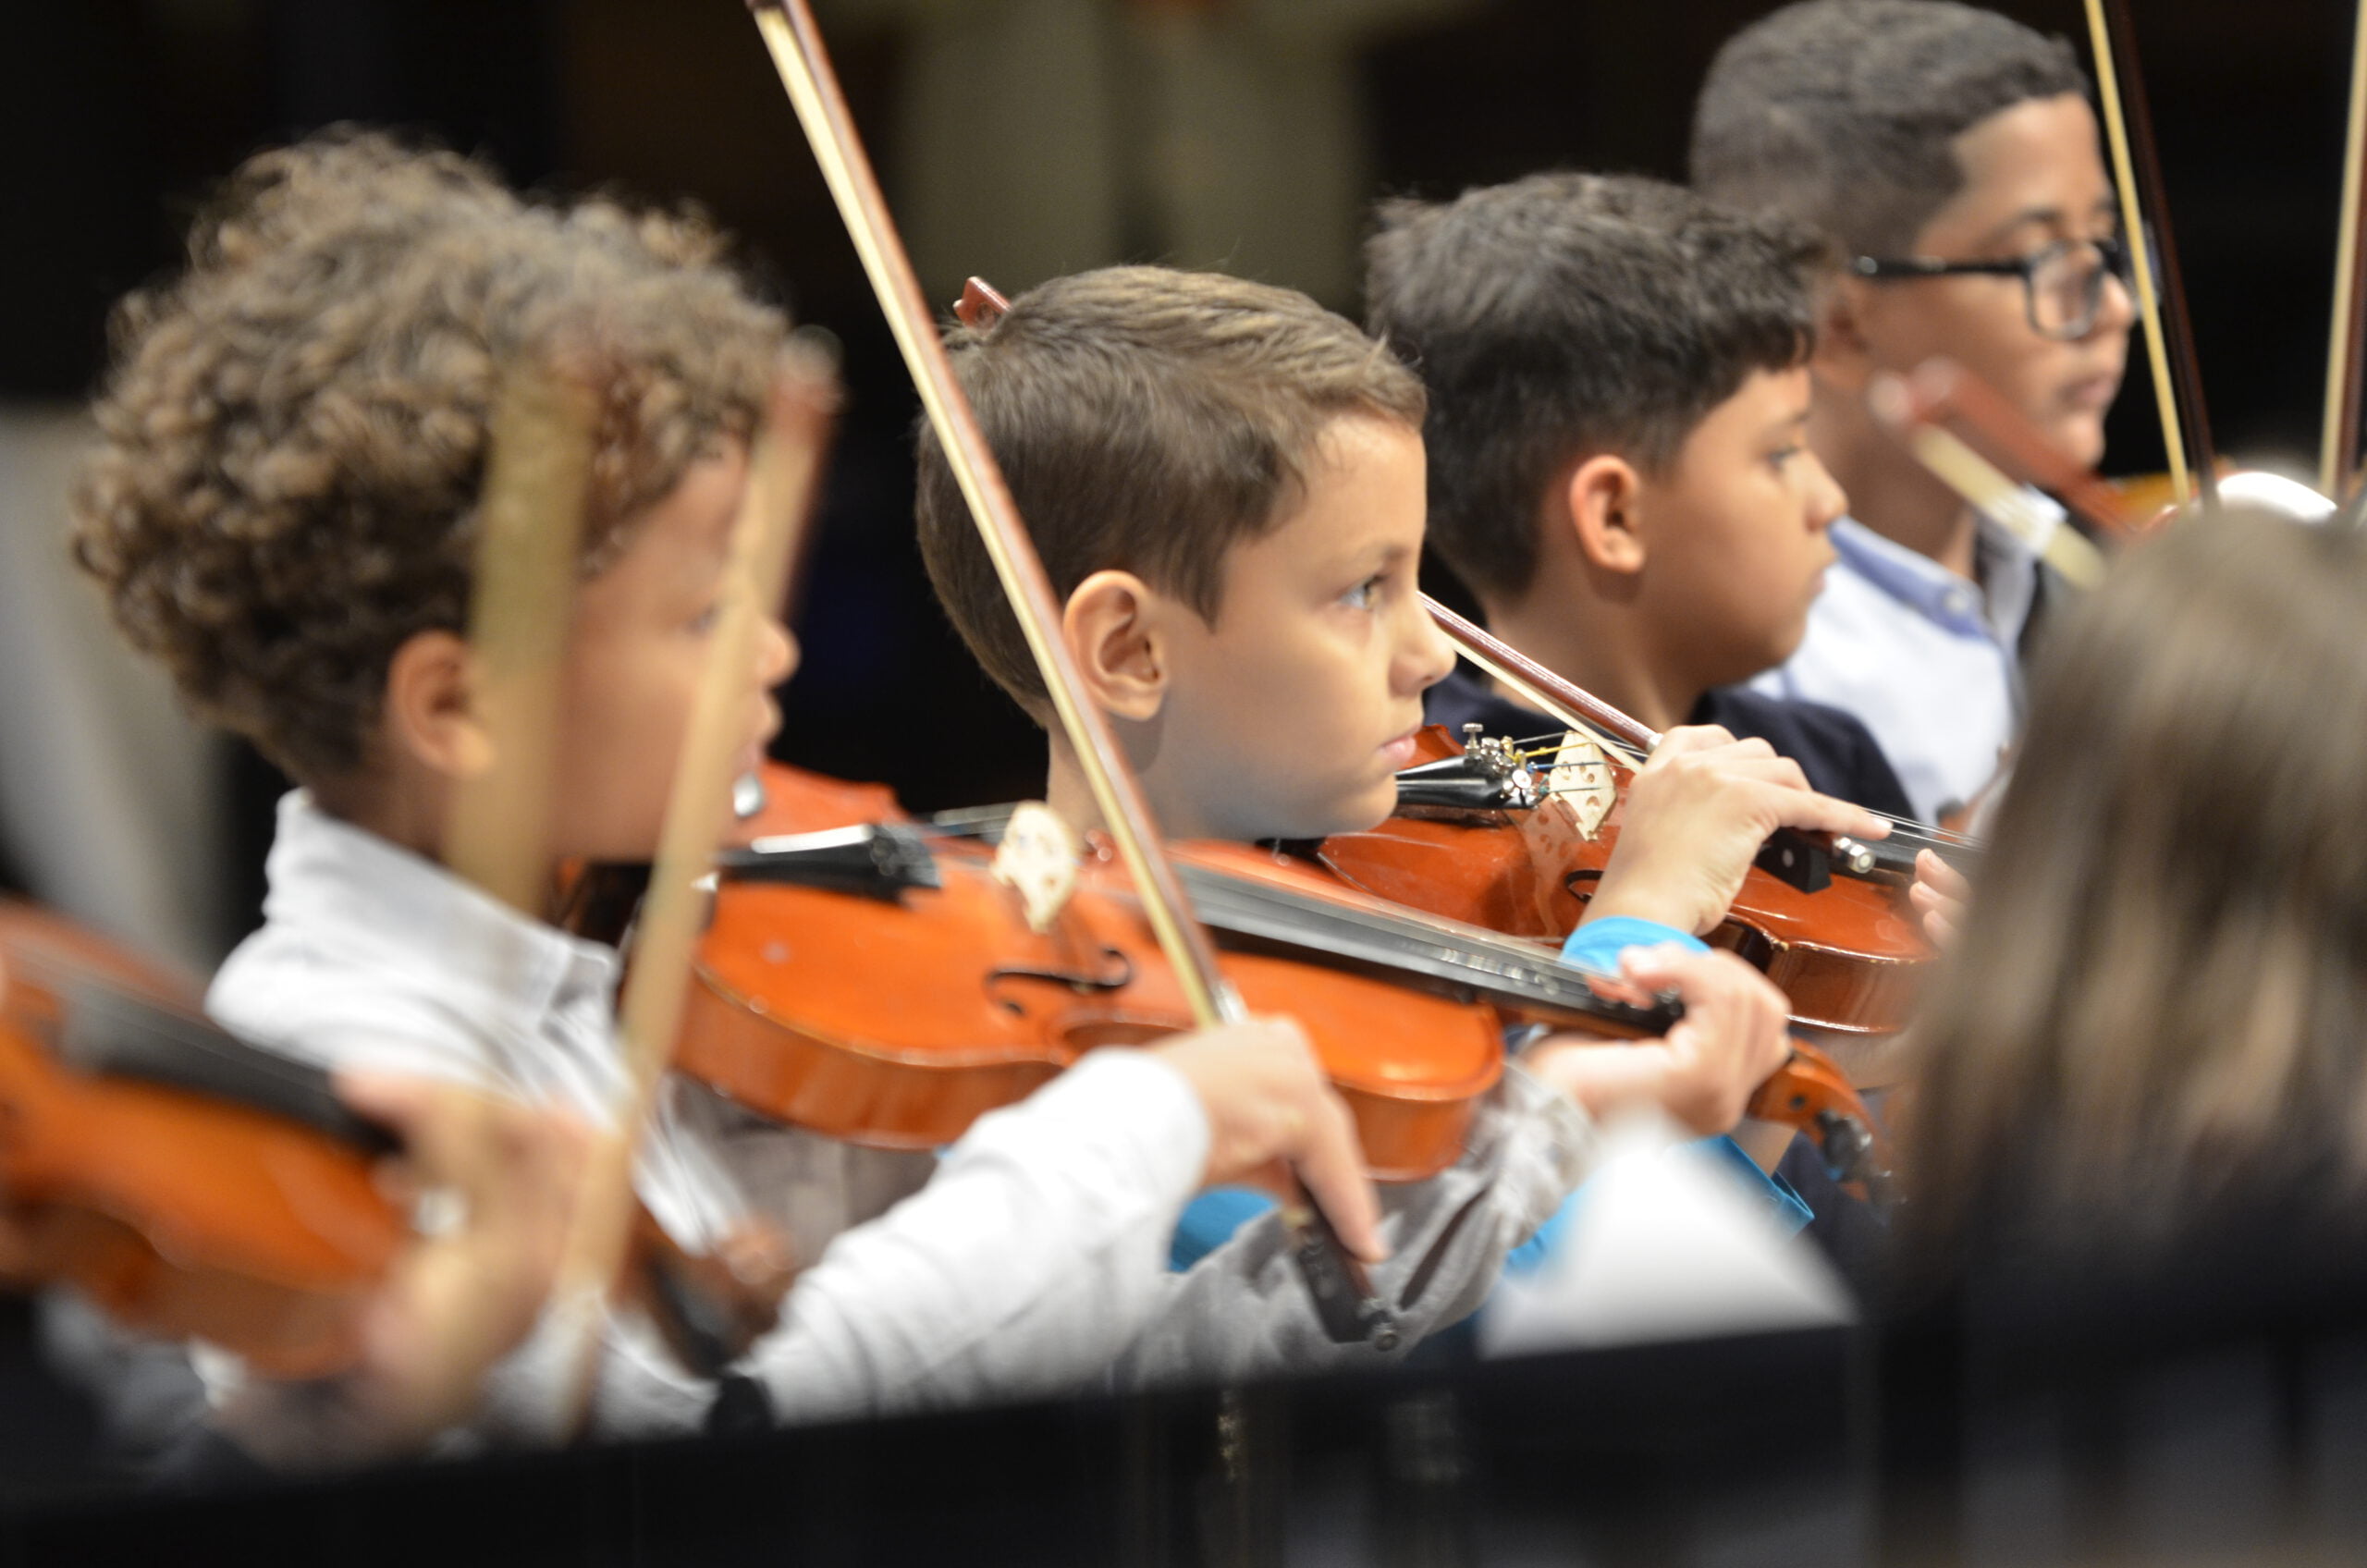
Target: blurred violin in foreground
(195,1186)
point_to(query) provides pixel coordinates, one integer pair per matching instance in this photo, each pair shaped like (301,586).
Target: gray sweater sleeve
(1243,1313)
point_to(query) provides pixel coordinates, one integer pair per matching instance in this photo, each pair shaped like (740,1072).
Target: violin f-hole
(1116,974)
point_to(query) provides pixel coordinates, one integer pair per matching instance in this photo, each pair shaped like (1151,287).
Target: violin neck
(109,1031)
(1518,975)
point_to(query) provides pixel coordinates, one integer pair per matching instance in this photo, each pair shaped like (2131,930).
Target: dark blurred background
(119,113)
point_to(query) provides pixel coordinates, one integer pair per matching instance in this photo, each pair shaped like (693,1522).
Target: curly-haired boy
(283,512)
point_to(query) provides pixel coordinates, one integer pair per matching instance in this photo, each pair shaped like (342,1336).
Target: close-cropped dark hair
(2153,1023)
(294,430)
(1565,316)
(1841,114)
(1147,420)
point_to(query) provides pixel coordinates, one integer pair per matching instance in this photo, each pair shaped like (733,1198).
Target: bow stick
(2346,344)
(530,529)
(1573,705)
(1542,689)
(1343,1295)
(538,471)
(1982,448)
(784,470)
(2169,331)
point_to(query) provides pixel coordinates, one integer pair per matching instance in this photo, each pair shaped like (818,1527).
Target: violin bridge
(1580,775)
(1038,859)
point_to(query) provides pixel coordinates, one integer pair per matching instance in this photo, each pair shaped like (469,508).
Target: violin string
(1406,923)
(1455,937)
(1904,830)
(1534,976)
(60,976)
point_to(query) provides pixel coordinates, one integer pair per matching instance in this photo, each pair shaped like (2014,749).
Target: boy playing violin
(1617,460)
(282,513)
(1619,386)
(1226,485)
(1951,158)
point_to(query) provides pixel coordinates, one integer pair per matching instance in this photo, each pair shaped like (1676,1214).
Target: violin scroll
(1811,1094)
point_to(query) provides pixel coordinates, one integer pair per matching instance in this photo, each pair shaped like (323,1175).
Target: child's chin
(2081,437)
(1368,810)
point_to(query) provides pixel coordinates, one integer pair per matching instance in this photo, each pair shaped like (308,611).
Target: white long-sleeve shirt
(1033,1254)
(1029,1260)
(1927,660)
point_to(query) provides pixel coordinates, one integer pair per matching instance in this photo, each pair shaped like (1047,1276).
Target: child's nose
(1827,501)
(1425,657)
(776,652)
(2116,312)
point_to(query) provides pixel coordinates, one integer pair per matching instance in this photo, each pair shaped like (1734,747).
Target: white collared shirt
(1032,1257)
(1926,660)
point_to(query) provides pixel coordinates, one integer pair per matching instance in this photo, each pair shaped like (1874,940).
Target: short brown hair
(1844,114)
(295,428)
(1563,316)
(1147,420)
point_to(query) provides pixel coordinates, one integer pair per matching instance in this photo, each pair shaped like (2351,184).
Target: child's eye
(1366,595)
(705,621)
(1783,454)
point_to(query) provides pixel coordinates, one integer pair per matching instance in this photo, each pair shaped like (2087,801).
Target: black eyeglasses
(2062,285)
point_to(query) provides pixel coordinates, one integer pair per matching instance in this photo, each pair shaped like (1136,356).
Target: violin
(1407,1011)
(1484,835)
(1849,957)
(195,1186)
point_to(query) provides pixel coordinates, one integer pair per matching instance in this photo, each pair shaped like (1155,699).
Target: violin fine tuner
(1488,775)
(1852,856)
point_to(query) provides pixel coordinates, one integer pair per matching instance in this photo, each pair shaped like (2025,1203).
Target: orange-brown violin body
(179,1215)
(899,1023)
(1848,957)
(188,1214)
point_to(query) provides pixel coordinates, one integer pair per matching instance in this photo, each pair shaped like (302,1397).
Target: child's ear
(1605,496)
(431,712)
(1113,627)
(1844,358)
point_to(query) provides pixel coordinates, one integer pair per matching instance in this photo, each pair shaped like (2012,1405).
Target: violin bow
(2347,343)
(1558,698)
(784,474)
(2169,330)
(529,526)
(1980,447)
(1342,1295)
(530,530)
(1568,703)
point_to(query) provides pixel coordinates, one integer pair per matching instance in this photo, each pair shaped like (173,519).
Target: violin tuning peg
(981,305)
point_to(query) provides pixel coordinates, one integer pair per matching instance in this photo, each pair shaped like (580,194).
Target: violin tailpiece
(875,860)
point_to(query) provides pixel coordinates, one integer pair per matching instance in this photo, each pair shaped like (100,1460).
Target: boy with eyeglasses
(1951,156)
